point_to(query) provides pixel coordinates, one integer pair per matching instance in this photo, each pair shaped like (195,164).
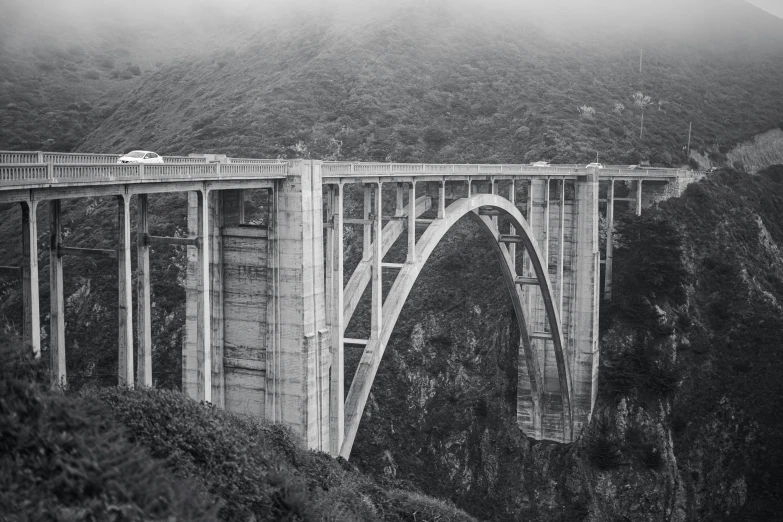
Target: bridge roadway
(267,309)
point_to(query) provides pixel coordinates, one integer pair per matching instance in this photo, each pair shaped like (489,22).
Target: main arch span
(403,283)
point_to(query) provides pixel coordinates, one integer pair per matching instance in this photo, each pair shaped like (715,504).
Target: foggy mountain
(431,81)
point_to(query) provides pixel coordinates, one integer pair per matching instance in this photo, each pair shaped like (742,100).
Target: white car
(540,164)
(141,156)
(594,166)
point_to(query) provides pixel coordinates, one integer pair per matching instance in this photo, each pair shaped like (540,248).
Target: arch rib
(373,353)
(360,277)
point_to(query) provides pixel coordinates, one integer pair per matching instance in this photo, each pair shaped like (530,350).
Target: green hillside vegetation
(66,67)
(436,83)
(118,454)
(711,263)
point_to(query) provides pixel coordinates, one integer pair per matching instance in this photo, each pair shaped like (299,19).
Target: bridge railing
(182,159)
(348,169)
(81,158)
(27,174)
(55,157)
(254,160)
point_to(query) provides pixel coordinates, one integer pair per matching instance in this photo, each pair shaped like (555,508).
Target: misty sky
(771,6)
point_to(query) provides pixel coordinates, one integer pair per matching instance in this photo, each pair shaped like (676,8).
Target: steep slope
(686,426)
(119,454)
(67,65)
(435,82)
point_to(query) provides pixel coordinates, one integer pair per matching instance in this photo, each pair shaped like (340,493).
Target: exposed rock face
(685,425)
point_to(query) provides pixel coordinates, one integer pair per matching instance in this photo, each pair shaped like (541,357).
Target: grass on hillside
(65,458)
(119,454)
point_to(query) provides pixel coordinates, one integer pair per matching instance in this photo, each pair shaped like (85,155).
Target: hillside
(114,454)
(434,82)
(67,66)
(686,423)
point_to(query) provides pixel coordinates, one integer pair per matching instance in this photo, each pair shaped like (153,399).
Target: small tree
(618,108)
(586,112)
(641,101)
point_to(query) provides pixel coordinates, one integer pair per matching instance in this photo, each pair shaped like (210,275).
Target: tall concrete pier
(267,302)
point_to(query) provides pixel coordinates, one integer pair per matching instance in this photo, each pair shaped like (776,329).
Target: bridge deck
(16,178)
(21,171)
(345,172)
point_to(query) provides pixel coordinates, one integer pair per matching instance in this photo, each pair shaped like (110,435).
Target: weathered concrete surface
(297,382)
(244,319)
(56,299)
(30,305)
(583,349)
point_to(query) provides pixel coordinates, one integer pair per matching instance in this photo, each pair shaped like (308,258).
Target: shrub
(601,447)
(63,458)
(650,249)
(260,471)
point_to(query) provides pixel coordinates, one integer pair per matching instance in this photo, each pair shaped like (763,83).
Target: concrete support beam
(411,224)
(215,226)
(442,200)
(11,271)
(639,198)
(545,239)
(57,306)
(609,242)
(298,353)
(125,304)
(367,236)
(526,267)
(512,248)
(544,336)
(30,305)
(337,390)
(63,250)
(162,240)
(584,307)
(204,322)
(561,248)
(356,342)
(525,280)
(241,206)
(398,212)
(493,189)
(376,318)
(144,296)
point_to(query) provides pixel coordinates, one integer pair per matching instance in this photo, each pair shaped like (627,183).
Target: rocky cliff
(685,425)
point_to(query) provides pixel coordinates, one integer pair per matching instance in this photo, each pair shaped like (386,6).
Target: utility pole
(690,126)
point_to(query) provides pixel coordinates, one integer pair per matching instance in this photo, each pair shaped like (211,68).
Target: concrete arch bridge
(267,305)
